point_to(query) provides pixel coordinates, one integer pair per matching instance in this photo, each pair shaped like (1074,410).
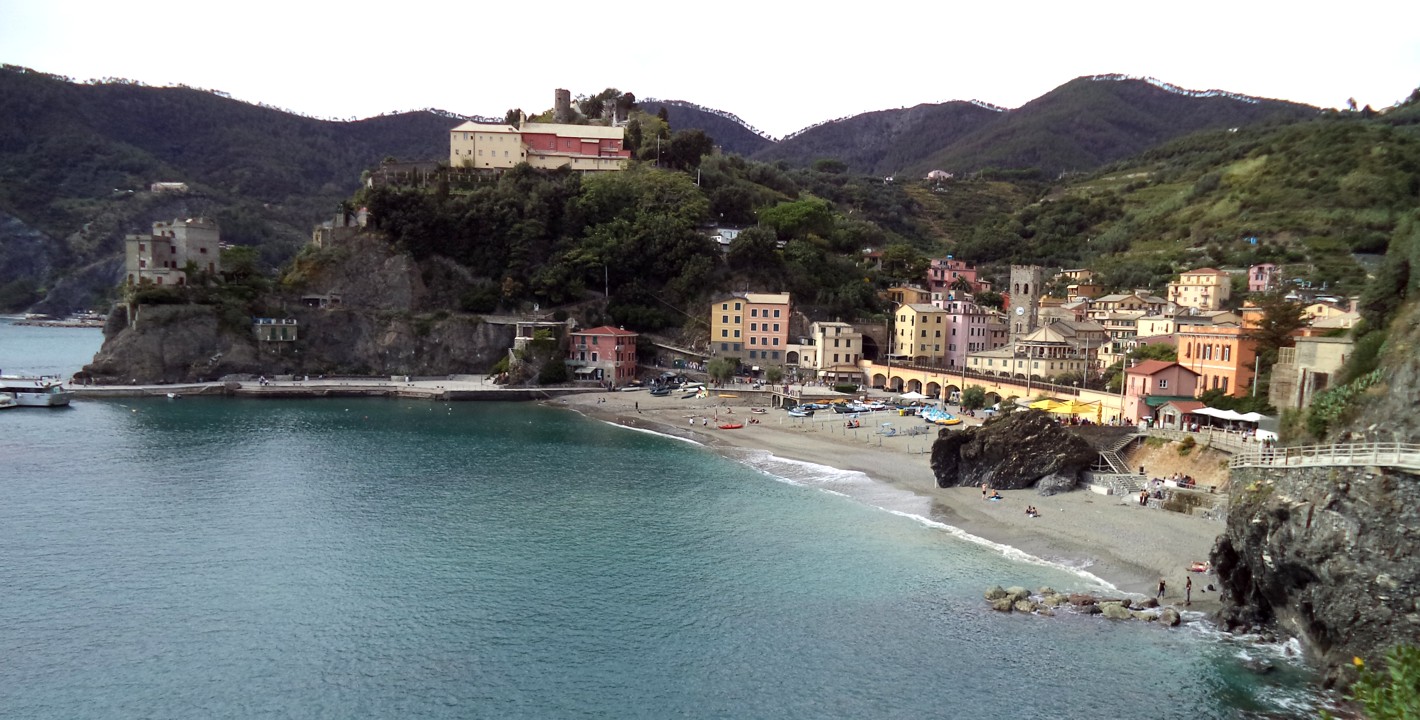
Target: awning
(584,371)
(914,395)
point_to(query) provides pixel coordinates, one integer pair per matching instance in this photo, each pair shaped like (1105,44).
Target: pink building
(945,271)
(604,353)
(969,330)
(1261,278)
(1151,383)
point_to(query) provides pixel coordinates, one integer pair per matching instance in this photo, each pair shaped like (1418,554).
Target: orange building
(1222,355)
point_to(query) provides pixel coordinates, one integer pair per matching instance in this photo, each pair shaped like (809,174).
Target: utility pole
(1256,368)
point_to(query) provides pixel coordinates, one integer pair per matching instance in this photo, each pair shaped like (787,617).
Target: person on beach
(984,489)
(1188,592)
(1162,586)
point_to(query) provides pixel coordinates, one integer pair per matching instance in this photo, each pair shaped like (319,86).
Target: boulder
(1001,604)
(1016,593)
(1147,603)
(1141,615)
(1045,590)
(1091,609)
(1020,450)
(1047,612)
(1024,606)
(1170,617)
(1055,600)
(1080,600)
(995,592)
(1114,611)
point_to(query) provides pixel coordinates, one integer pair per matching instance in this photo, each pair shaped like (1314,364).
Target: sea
(371,558)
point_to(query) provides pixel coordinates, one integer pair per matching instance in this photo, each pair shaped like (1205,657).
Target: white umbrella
(914,395)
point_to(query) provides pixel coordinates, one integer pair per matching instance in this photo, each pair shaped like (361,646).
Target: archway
(895,385)
(933,390)
(914,386)
(791,358)
(879,380)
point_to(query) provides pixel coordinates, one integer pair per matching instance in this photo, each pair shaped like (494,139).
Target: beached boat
(758,410)
(35,391)
(731,426)
(7,401)
(661,391)
(174,396)
(801,413)
(728,395)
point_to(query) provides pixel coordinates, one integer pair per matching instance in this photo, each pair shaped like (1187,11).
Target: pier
(462,388)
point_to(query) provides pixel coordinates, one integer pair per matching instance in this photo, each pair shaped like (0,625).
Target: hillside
(70,154)
(883,142)
(1079,126)
(732,134)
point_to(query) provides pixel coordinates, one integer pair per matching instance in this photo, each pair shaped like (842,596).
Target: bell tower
(1027,287)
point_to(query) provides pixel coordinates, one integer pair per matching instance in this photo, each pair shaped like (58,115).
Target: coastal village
(1135,384)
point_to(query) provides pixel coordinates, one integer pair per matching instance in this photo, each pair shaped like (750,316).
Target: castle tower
(1027,288)
(561,106)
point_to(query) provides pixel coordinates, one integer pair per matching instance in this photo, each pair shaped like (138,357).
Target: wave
(658,433)
(861,487)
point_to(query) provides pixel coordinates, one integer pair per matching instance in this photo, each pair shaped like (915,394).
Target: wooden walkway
(1401,456)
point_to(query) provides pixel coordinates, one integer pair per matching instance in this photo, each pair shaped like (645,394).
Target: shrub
(1186,446)
(845,388)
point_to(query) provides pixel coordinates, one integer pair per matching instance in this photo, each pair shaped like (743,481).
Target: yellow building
(1205,289)
(753,327)
(920,333)
(500,146)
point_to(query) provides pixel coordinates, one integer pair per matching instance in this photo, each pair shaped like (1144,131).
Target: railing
(1383,454)
(1221,440)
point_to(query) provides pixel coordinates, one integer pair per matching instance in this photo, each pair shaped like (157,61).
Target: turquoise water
(374,559)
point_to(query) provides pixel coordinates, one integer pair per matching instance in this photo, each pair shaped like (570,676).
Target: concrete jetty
(463,389)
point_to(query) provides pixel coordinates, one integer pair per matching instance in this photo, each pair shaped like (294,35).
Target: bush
(845,388)
(1395,693)
(1186,446)
(553,372)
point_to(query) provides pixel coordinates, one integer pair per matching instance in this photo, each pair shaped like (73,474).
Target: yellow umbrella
(1047,405)
(1075,407)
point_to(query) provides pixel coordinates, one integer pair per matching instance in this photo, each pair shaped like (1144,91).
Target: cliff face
(388,324)
(1331,555)
(1020,450)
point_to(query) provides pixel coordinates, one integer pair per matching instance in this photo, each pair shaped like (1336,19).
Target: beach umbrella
(1046,404)
(1075,407)
(914,395)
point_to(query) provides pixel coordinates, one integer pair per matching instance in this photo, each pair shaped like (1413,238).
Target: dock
(458,390)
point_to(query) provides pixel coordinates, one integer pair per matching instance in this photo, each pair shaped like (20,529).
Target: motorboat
(35,391)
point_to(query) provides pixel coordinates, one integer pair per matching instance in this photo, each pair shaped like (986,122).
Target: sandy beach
(1112,537)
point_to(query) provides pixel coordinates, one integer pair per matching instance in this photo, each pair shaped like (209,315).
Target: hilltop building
(605,354)
(1204,289)
(342,227)
(1262,277)
(162,257)
(500,146)
(751,326)
(945,272)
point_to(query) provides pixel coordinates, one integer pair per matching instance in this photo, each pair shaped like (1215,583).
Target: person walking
(1162,586)
(1188,591)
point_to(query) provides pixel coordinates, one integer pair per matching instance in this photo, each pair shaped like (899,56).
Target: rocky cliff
(1332,554)
(1021,450)
(388,323)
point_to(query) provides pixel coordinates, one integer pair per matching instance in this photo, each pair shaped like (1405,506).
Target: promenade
(460,388)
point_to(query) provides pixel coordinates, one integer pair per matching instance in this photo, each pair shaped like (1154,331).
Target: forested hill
(1079,126)
(732,134)
(70,153)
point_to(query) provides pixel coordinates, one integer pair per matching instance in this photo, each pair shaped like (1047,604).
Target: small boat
(801,413)
(174,395)
(7,401)
(758,411)
(731,426)
(661,391)
(35,391)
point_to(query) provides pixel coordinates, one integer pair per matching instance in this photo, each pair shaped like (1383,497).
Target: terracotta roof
(604,330)
(1152,367)
(1187,406)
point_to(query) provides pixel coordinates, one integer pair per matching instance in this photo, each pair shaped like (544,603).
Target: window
(776,341)
(774,355)
(737,307)
(776,313)
(724,346)
(594,356)
(737,333)
(737,319)
(753,340)
(753,327)
(724,333)
(754,312)
(776,327)
(594,339)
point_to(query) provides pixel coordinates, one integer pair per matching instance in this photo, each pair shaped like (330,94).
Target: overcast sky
(778,65)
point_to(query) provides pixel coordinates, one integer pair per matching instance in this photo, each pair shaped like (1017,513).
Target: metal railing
(1222,440)
(1382,454)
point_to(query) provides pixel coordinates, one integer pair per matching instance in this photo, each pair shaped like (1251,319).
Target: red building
(945,271)
(604,353)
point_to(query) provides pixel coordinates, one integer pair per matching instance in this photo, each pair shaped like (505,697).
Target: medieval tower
(1027,287)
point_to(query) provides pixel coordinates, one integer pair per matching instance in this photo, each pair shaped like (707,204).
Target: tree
(774,373)
(1280,318)
(904,262)
(991,298)
(513,117)
(755,254)
(960,285)
(687,147)
(721,369)
(831,166)
(973,398)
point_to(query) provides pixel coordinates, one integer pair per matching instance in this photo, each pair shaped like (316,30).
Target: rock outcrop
(1330,555)
(389,322)
(1021,450)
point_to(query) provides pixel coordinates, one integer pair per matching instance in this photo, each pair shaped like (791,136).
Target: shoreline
(1128,547)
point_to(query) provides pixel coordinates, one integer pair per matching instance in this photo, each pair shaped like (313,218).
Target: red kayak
(731,426)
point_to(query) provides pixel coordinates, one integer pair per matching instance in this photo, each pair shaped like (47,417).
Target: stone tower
(1027,287)
(561,106)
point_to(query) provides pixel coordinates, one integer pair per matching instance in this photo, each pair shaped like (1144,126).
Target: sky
(780,66)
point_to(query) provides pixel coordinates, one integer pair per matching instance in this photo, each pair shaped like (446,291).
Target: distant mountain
(732,134)
(883,142)
(1079,126)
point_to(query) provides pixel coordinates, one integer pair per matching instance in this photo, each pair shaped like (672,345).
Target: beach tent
(914,395)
